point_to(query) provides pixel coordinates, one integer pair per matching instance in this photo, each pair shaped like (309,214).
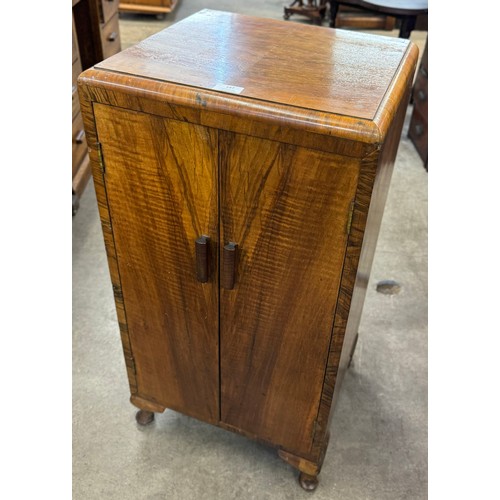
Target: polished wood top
(315,68)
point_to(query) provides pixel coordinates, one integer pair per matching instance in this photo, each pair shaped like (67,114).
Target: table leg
(407,26)
(334,8)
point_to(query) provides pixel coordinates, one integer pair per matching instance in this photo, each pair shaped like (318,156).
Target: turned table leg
(408,24)
(144,417)
(308,482)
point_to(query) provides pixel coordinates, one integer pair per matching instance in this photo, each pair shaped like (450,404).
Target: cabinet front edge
(203,101)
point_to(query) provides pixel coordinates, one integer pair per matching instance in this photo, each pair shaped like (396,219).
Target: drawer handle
(421,95)
(79,137)
(202,246)
(419,129)
(112,36)
(230,254)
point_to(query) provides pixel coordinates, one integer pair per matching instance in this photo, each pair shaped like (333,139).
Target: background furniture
(158,7)
(313,9)
(240,216)
(347,17)
(96,36)
(418,130)
(406,11)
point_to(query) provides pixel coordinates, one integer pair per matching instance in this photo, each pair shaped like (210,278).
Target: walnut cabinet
(241,185)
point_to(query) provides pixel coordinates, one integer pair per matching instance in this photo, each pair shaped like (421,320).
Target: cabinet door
(287,208)
(161,185)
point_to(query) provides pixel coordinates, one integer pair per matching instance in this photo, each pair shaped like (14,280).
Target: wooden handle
(202,245)
(112,36)
(79,137)
(230,255)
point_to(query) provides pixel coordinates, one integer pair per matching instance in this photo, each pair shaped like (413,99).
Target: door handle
(202,246)
(230,256)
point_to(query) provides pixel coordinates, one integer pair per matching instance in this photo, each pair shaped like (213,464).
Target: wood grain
(287,209)
(96,162)
(348,74)
(161,190)
(374,181)
(273,170)
(110,37)
(313,129)
(108,9)
(148,6)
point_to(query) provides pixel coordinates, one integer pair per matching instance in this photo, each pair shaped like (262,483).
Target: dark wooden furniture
(96,35)
(418,129)
(240,202)
(158,7)
(313,9)
(349,17)
(346,17)
(406,11)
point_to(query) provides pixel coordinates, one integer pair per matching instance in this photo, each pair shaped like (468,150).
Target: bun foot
(309,483)
(144,417)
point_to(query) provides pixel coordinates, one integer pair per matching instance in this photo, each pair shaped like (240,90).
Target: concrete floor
(378,445)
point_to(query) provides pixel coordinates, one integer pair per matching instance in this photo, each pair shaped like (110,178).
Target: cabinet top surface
(311,67)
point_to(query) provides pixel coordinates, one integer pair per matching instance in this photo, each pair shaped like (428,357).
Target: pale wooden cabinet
(241,186)
(158,7)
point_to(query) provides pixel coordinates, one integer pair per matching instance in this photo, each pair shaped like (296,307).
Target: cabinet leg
(144,417)
(309,470)
(308,482)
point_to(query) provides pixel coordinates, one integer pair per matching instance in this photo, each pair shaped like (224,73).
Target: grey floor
(378,446)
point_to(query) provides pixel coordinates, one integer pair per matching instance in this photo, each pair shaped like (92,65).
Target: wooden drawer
(75,101)
(77,69)
(420,96)
(74,45)
(418,134)
(110,37)
(108,9)
(79,143)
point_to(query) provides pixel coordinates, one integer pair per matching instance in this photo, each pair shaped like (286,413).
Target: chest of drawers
(95,36)
(241,186)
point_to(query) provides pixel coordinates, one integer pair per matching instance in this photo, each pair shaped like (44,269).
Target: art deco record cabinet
(241,167)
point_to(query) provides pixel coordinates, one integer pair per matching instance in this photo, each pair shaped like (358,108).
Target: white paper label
(233,89)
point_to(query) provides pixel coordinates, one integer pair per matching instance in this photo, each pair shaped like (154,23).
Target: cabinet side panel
(369,206)
(161,183)
(86,106)
(287,208)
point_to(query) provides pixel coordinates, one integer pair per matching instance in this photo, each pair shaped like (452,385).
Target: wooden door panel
(161,184)
(287,208)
